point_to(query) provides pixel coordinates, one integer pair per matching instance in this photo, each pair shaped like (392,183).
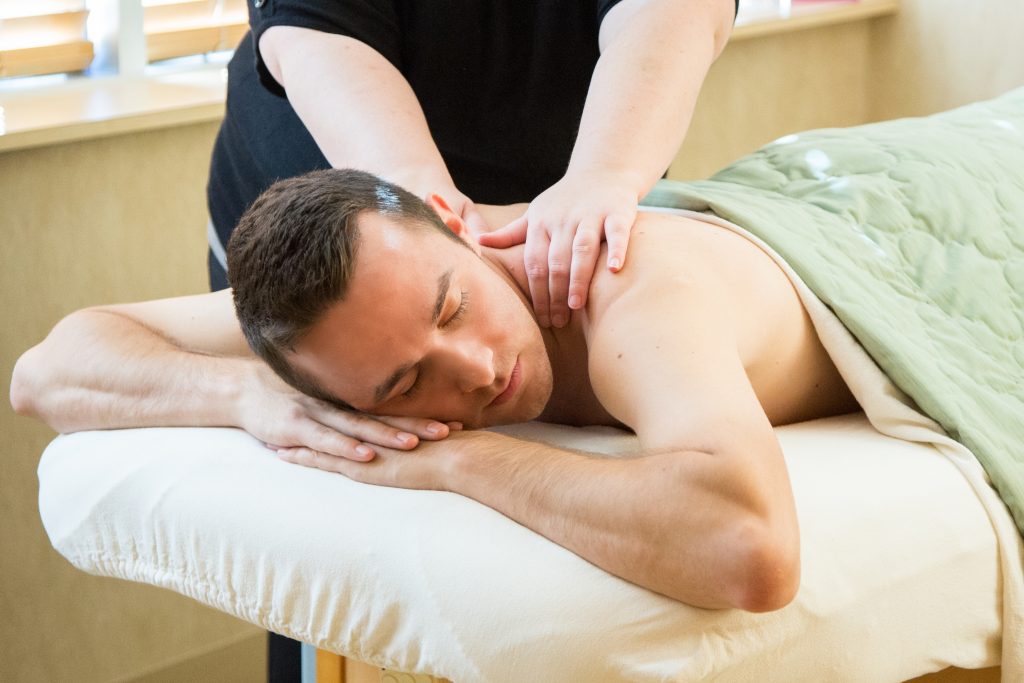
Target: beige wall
(940,54)
(123,218)
(113,219)
(932,55)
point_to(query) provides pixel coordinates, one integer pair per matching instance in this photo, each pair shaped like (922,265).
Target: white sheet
(900,569)
(907,565)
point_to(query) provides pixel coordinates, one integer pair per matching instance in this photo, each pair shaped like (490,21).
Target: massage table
(901,572)
(910,560)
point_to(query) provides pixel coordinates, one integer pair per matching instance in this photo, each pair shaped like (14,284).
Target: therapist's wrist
(603,175)
(421,180)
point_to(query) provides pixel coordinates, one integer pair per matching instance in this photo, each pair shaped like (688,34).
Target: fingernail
(405,437)
(457,426)
(543,322)
(364,451)
(435,428)
(614,263)
(575,300)
(558,320)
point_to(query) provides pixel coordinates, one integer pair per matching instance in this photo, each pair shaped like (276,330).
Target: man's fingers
(310,457)
(535,259)
(373,430)
(431,430)
(617,228)
(560,258)
(314,435)
(586,246)
(507,236)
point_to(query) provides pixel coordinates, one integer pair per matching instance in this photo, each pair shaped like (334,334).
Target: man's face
(428,329)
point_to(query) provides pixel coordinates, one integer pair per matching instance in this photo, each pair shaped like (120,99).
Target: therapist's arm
(361,111)
(655,55)
(183,362)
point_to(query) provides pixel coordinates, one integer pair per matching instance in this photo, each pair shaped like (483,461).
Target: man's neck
(572,400)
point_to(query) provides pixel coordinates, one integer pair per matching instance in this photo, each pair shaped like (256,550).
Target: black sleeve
(374,22)
(604,5)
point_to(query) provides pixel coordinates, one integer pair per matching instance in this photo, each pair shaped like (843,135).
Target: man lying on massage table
(364,297)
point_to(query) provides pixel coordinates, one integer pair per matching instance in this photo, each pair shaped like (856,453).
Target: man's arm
(705,514)
(182,362)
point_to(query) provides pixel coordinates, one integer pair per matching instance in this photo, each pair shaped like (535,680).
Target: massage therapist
(574,106)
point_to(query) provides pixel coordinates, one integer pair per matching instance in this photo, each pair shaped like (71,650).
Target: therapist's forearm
(98,370)
(645,88)
(358,107)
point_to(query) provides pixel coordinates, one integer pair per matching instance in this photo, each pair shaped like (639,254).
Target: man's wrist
(239,382)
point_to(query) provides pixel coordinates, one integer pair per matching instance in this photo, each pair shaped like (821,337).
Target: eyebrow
(385,387)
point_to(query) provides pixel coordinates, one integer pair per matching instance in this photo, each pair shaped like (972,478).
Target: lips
(510,389)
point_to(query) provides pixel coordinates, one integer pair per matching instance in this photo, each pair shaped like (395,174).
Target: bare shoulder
(729,317)
(686,257)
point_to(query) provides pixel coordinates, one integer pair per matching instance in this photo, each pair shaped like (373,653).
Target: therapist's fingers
(507,236)
(560,257)
(617,228)
(586,247)
(535,259)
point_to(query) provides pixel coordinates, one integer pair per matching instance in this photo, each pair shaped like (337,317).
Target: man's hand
(286,419)
(429,466)
(563,229)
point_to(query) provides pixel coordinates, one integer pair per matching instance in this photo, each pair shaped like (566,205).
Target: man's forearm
(645,87)
(670,522)
(100,370)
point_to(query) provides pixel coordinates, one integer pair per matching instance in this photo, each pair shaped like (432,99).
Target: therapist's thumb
(508,236)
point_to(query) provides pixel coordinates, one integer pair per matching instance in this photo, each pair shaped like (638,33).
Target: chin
(535,393)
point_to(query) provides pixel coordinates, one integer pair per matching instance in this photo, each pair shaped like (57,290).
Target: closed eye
(455,317)
(460,311)
(413,388)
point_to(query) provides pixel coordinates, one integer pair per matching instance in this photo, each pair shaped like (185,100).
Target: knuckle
(582,248)
(295,412)
(536,271)
(558,268)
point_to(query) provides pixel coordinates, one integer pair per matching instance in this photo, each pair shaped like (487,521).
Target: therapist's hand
(563,229)
(282,418)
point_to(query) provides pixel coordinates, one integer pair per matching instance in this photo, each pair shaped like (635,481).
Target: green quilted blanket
(912,232)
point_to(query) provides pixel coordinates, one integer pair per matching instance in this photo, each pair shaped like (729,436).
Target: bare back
(690,286)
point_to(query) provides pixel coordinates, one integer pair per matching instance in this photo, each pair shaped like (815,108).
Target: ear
(452,220)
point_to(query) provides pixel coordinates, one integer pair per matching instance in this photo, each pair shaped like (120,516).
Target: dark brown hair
(293,254)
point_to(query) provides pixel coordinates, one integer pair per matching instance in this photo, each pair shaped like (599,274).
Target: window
(112,36)
(176,28)
(43,37)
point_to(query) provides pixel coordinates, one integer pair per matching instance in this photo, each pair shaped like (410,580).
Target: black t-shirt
(502,84)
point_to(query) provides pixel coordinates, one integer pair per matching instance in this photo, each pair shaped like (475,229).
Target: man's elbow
(767,570)
(24,386)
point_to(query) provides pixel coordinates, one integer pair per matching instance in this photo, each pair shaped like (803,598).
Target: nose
(472,365)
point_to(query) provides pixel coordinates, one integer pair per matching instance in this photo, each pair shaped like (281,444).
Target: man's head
(357,292)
